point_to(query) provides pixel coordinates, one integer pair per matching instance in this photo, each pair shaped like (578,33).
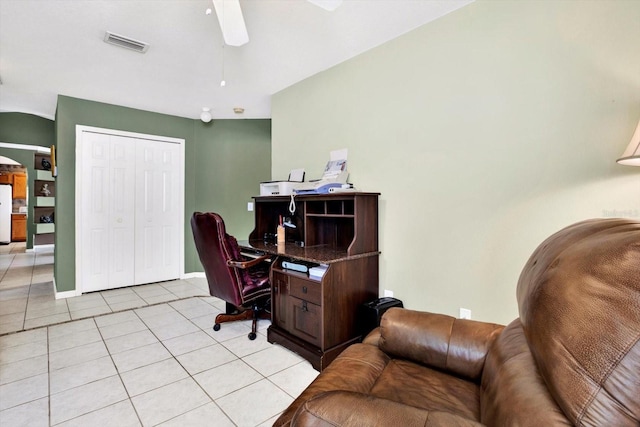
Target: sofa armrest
(372,337)
(443,342)
(346,408)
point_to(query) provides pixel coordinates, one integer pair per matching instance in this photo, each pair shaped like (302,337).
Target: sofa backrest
(579,304)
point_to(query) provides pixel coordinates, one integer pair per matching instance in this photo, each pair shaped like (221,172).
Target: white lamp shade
(631,155)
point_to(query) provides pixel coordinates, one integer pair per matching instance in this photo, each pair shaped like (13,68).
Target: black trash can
(371,313)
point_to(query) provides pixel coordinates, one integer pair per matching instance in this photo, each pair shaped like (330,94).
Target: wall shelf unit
(44,191)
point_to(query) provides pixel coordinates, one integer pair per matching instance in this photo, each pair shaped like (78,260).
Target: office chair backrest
(214,248)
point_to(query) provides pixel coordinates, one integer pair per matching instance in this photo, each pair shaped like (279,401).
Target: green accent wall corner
(238,152)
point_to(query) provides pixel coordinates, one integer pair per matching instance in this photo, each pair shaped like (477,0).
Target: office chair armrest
(248,264)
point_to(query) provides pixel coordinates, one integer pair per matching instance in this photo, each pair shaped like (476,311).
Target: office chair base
(233,314)
(231,317)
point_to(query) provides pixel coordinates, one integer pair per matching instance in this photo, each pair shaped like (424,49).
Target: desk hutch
(317,317)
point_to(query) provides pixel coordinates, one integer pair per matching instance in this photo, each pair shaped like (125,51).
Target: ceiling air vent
(125,42)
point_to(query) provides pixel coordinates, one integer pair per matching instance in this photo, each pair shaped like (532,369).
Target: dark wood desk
(320,254)
(317,317)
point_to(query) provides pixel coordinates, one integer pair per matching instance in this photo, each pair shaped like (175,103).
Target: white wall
(485,131)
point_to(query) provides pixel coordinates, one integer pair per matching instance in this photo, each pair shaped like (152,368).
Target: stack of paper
(318,271)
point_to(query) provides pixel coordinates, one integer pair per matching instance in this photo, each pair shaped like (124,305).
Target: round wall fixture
(205,116)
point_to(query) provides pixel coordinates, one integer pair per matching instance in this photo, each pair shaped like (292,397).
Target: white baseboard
(66,294)
(193,275)
(38,248)
(76,292)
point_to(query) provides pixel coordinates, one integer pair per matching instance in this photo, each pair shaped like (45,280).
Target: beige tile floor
(96,361)
(27,295)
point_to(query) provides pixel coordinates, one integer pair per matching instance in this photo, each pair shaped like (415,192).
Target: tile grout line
(48,374)
(185,369)
(96,315)
(118,373)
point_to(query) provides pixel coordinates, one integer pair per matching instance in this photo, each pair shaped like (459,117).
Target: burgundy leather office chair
(242,283)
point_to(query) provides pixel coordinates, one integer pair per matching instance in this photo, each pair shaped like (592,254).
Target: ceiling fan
(232,23)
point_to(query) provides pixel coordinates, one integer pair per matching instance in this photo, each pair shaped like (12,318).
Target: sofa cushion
(328,409)
(422,387)
(356,369)
(453,345)
(579,302)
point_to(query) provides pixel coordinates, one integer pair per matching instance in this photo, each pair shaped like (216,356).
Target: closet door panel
(157,240)
(107,212)
(95,212)
(122,213)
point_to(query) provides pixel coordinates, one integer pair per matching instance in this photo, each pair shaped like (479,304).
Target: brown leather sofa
(571,358)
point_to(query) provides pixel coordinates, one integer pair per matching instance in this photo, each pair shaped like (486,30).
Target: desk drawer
(306,321)
(307,290)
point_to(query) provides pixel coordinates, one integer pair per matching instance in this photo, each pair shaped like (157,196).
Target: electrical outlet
(250,206)
(388,293)
(465,313)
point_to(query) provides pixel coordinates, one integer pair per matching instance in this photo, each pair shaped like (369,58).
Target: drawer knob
(304,306)
(304,289)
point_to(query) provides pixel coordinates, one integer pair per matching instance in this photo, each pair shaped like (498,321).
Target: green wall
(201,143)
(26,129)
(485,131)
(232,157)
(22,128)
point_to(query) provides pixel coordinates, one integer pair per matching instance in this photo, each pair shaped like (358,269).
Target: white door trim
(78,202)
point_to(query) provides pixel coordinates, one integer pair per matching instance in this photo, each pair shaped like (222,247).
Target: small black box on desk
(371,312)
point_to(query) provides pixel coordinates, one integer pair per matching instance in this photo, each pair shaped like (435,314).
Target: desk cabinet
(298,305)
(317,317)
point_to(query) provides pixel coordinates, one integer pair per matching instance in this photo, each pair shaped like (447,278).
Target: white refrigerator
(5,213)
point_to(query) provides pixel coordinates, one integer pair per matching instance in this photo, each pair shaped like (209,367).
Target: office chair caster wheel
(216,327)
(252,336)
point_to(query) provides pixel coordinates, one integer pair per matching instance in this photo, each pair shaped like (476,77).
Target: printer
(283,188)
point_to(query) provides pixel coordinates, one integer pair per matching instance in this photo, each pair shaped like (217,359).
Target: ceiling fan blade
(329,5)
(231,22)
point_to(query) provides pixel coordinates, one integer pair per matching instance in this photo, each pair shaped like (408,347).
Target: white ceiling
(51,47)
